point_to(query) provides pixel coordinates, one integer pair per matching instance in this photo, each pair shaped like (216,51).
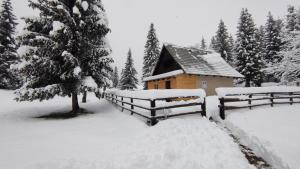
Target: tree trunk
(75,105)
(247,83)
(84,97)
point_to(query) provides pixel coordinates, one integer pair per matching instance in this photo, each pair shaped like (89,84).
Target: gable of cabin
(166,63)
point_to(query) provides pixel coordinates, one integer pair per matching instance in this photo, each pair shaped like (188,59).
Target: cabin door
(168,84)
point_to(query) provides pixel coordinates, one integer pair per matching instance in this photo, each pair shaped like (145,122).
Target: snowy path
(272,133)
(109,139)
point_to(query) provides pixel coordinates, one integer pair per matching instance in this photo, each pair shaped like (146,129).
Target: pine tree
(115,78)
(291,19)
(231,45)
(129,80)
(203,44)
(8,56)
(222,42)
(273,40)
(213,44)
(64,50)
(249,61)
(288,70)
(151,53)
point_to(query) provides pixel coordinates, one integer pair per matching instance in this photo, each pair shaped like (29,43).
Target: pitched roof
(199,62)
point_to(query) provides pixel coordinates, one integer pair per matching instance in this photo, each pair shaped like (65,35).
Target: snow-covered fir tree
(115,78)
(213,44)
(151,53)
(249,61)
(203,44)
(129,79)
(288,70)
(8,55)
(64,50)
(273,40)
(291,19)
(222,42)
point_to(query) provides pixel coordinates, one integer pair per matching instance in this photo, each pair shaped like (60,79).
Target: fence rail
(273,98)
(152,116)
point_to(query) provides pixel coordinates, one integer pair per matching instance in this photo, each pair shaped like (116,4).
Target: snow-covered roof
(164,75)
(199,62)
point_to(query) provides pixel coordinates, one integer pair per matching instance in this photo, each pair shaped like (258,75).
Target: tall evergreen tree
(8,56)
(291,19)
(288,70)
(273,40)
(64,50)
(115,78)
(151,53)
(129,79)
(222,41)
(249,61)
(213,44)
(203,44)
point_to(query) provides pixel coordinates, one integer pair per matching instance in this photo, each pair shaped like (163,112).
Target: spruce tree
(291,19)
(129,79)
(115,78)
(273,40)
(64,50)
(151,53)
(222,42)
(213,44)
(288,70)
(249,61)
(203,44)
(8,56)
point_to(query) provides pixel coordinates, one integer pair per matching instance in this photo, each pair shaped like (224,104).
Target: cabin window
(204,84)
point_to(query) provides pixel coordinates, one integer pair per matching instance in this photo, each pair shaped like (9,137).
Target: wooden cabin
(190,68)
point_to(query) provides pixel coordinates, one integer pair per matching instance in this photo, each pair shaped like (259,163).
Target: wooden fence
(152,117)
(271,99)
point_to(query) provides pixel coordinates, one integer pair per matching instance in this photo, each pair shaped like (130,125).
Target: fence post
(132,107)
(112,98)
(122,99)
(272,99)
(291,99)
(116,100)
(250,101)
(222,108)
(203,107)
(153,113)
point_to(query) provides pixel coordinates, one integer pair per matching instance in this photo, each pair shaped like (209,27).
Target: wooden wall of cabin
(185,81)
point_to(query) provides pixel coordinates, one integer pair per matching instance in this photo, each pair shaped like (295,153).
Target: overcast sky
(182,22)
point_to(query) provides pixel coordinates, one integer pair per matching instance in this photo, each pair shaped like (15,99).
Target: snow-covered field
(108,139)
(272,132)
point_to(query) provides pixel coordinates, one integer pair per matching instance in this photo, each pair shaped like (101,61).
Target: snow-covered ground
(273,133)
(108,139)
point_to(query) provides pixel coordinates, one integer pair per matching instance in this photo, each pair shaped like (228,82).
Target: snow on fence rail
(153,104)
(236,98)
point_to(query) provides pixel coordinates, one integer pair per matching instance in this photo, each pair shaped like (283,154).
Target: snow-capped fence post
(116,99)
(153,113)
(222,108)
(272,99)
(203,108)
(122,99)
(249,101)
(132,107)
(291,98)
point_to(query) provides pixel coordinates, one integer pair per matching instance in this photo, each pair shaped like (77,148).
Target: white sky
(182,22)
